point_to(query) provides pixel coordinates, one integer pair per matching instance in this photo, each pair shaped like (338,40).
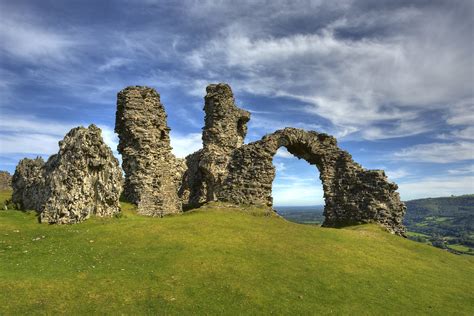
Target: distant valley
(444,222)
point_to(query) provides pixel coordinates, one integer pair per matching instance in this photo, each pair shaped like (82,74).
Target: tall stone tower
(225,127)
(152,173)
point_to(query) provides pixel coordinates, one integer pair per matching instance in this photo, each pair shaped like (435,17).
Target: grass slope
(215,261)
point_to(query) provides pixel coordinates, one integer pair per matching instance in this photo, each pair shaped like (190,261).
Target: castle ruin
(228,170)
(84,177)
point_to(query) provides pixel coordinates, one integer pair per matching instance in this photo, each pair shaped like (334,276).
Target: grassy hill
(445,222)
(223,261)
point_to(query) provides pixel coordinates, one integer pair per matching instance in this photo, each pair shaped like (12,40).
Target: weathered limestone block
(152,173)
(82,179)
(5,180)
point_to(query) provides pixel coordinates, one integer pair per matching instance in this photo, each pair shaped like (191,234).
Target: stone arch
(352,194)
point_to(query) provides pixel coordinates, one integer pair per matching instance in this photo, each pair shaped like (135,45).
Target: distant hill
(445,222)
(302,214)
(222,261)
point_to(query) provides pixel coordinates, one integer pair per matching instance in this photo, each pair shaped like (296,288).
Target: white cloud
(462,170)
(401,128)
(461,113)
(436,186)
(27,143)
(437,152)
(279,166)
(466,133)
(282,152)
(23,38)
(114,63)
(184,145)
(297,194)
(32,124)
(357,84)
(32,135)
(397,173)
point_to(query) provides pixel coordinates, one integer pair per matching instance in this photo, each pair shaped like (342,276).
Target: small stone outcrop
(28,184)
(152,173)
(82,179)
(5,181)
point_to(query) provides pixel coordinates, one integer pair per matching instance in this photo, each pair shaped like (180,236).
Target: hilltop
(218,260)
(446,222)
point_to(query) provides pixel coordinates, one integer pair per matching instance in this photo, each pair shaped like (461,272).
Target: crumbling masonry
(82,179)
(227,170)
(152,173)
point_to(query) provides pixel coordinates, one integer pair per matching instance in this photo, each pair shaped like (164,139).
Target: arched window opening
(297,190)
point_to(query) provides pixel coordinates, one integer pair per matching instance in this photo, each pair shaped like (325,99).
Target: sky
(392,80)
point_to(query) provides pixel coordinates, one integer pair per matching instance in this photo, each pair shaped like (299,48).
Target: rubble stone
(82,179)
(5,181)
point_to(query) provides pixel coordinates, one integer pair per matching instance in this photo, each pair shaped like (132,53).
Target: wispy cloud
(436,186)
(396,174)
(24,38)
(184,145)
(462,170)
(29,135)
(297,194)
(437,152)
(354,83)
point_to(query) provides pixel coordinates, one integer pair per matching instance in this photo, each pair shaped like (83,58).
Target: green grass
(221,260)
(4,196)
(415,234)
(458,247)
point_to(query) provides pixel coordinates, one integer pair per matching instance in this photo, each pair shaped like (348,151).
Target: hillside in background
(220,260)
(445,222)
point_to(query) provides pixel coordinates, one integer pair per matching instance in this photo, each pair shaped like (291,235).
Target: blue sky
(392,80)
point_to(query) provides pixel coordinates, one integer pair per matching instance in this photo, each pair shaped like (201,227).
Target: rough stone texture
(152,173)
(82,179)
(352,194)
(5,180)
(28,184)
(224,131)
(226,170)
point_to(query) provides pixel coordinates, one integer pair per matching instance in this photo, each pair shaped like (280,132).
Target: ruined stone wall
(226,170)
(82,179)
(5,180)
(224,131)
(352,194)
(152,173)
